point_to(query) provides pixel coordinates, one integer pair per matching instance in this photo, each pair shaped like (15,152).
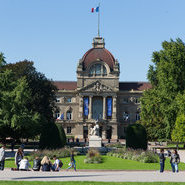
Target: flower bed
(136,155)
(93,156)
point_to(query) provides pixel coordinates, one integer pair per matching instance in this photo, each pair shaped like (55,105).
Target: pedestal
(95,141)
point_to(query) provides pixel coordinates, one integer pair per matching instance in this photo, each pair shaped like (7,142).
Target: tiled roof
(136,86)
(65,85)
(123,86)
(98,53)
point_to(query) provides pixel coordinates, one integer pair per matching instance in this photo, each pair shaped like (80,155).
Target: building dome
(98,53)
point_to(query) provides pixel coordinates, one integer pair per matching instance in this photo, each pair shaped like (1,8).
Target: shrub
(136,155)
(61,134)
(136,137)
(51,137)
(60,153)
(93,156)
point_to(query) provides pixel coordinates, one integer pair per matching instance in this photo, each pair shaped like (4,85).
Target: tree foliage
(178,133)
(159,107)
(26,103)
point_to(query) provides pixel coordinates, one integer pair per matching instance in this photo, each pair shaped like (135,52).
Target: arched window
(98,70)
(69,115)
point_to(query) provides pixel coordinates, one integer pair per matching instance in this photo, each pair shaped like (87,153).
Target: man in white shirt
(2,157)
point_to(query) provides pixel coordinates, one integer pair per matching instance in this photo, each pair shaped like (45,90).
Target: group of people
(45,164)
(174,160)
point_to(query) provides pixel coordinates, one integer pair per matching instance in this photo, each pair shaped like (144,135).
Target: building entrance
(97,107)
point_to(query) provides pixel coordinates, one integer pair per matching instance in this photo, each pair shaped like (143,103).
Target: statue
(95,131)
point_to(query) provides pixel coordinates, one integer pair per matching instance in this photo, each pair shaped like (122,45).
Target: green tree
(178,133)
(15,119)
(2,60)
(159,108)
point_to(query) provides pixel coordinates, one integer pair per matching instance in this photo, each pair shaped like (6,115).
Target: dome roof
(98,53)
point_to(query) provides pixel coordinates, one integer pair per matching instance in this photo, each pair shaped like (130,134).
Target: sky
(55,34)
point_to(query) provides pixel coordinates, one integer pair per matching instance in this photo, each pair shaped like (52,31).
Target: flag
(61,117)
(95,9)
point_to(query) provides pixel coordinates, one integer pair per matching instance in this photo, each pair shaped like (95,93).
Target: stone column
(114,131)
(114,108)
(104,107)
(80,115)
(90,108)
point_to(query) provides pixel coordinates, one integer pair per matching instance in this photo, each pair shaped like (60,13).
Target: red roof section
(98,53)
(65,85)
(136,86)
(123,86)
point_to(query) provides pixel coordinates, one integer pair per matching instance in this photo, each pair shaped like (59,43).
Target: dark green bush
(61,134)
(136,137)
(51,137)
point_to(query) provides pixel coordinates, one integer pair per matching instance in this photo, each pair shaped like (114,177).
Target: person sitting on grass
(57,164)
(24,164)
(46,164)
(36,164)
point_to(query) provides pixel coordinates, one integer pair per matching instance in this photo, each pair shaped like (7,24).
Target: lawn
(88,183)
(109,163)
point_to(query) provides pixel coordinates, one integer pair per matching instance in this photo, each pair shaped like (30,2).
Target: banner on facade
(109,106)
(86,104)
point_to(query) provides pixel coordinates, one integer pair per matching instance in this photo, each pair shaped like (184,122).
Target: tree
(2,60)
(167,75)
(178,133)
(15,119)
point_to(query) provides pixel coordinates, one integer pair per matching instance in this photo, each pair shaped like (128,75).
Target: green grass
(88,183)
(109,163)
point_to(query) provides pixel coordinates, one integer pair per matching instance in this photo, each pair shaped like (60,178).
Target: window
(57,114)
(68,130)
(137,101)
(137,116)
(69,115)
(69,100)
(125,100)
(125,116)
(58,100)
(98,70)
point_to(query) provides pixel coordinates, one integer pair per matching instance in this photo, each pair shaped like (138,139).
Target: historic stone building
(98,94)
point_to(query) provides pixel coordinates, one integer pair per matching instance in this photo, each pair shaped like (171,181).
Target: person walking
(175,160)
(73,162)
(18,157)
(2,157)
(162,160)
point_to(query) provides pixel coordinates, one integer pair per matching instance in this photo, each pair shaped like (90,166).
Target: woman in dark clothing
(162,160)
(46,164)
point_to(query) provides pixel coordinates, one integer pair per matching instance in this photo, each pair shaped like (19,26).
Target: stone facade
(98,94)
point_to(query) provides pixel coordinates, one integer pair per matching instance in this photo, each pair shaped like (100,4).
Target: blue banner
(86,105)
(109,106)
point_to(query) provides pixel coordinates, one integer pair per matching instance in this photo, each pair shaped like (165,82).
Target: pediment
(96,87)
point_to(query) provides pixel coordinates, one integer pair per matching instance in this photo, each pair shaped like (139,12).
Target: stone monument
(95,140)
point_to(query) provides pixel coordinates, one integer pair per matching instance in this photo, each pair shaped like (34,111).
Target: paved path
(106,176)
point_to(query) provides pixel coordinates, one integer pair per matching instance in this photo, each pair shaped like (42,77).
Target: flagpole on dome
(99,20)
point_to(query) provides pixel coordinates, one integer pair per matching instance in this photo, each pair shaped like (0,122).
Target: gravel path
(106,176)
